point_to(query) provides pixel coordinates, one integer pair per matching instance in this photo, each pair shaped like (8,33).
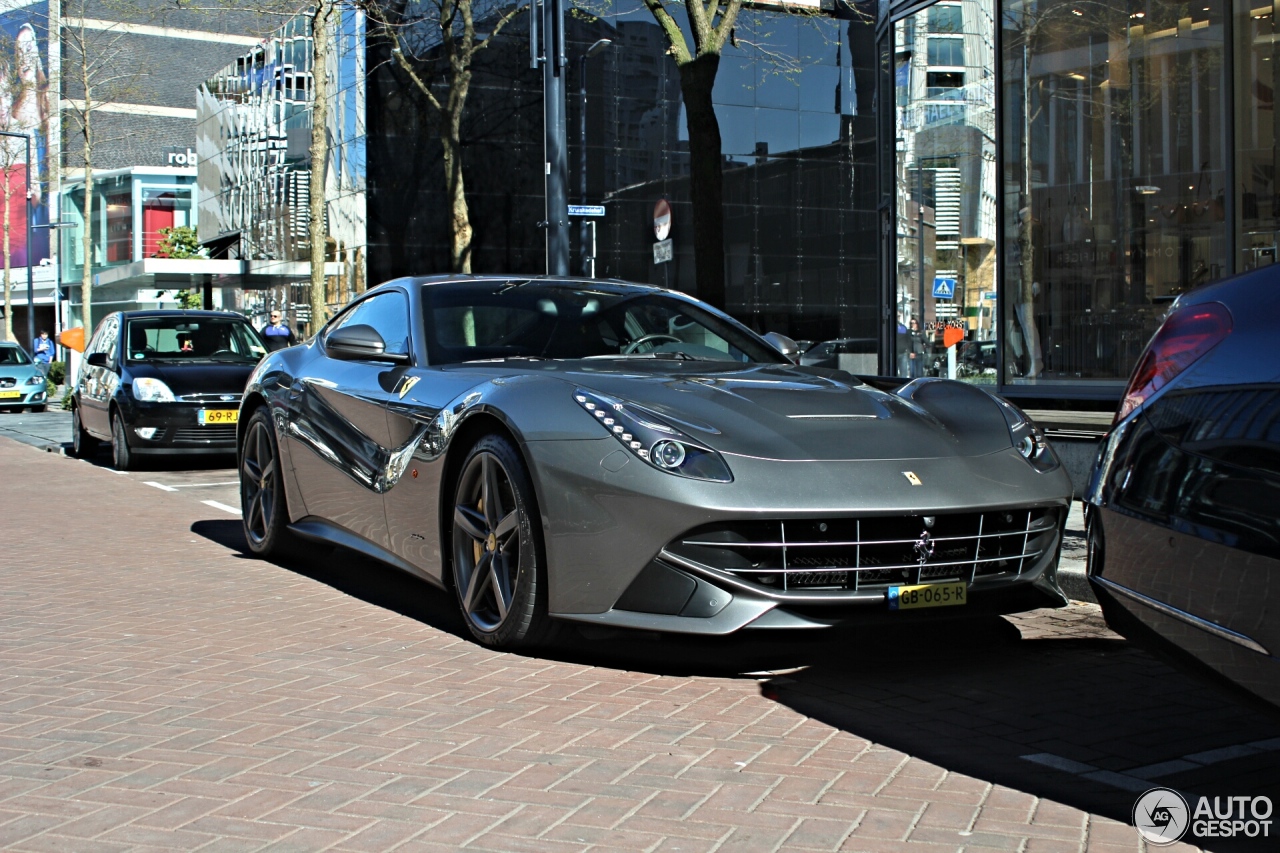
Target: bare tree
(436,49)
(98,67)
(323,18)
(23,111)
(711,26)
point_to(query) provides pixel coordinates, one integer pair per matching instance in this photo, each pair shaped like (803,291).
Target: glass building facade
(1045,176)
(253,139)
(795,98)
(130,207)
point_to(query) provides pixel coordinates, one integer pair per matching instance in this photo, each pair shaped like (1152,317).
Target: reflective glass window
(388,315)
(946,51)
(945,186)
(945,18)
(1257,135)
(1114,187)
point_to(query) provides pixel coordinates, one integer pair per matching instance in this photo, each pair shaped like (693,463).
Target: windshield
(479,321)
(186,338)
(13,355)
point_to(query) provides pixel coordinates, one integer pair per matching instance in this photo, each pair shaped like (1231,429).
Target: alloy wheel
(258,470)
(486,542)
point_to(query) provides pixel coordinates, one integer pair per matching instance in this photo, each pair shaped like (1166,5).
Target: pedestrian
(43,350)
(915,350)
(277,334)
(902,348)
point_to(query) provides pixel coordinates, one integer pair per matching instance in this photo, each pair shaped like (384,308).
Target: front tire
(499,572)
(121,454)
(83,445)
(263,505)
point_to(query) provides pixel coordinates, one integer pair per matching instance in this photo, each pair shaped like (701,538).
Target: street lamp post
(31,286)
(920,240)
(552,57)
(588,254)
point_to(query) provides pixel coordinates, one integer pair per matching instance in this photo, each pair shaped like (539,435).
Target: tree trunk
(8,275)
(697,78)
(455,190)
(320,23)
(86,275)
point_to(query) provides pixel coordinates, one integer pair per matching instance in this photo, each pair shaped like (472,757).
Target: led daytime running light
(660,445)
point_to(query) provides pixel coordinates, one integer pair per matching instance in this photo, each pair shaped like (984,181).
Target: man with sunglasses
(276,334)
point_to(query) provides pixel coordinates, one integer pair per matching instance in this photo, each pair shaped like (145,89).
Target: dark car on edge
(163,382)
(1181,512)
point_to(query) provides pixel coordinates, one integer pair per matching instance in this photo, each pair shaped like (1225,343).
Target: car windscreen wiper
(666,355)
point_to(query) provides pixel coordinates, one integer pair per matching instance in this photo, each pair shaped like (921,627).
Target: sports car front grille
(872,552)
(208,433)
(7,382)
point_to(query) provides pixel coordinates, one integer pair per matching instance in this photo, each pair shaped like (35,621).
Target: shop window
(1114,179)
(946,51)
(946,19)
(162,208)
(119,210)
(944,84)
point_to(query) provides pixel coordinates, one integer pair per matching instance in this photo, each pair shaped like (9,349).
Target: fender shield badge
(912,478)
(409,382)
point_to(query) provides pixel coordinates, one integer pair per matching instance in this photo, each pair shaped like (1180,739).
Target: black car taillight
(1186,335)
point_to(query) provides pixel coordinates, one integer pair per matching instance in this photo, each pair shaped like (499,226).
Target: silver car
(558,451)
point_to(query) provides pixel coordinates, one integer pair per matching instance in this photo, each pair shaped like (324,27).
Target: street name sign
(586,210)
(662,251)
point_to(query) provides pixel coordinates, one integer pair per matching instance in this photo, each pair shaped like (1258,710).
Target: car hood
(781,412)
(19,372)
(188,378)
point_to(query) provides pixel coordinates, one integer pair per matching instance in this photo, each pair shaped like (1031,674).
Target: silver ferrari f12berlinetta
(558,450)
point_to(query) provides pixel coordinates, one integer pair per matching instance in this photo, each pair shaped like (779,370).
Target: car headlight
(150,390)
(1028,439)
(645,436)
(37,379)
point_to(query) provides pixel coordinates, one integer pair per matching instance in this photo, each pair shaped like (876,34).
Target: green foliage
(192,299)
(180,242)
(57,374)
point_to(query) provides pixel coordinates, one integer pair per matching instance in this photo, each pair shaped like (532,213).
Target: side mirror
(97,359)
(784,345)
(360,342)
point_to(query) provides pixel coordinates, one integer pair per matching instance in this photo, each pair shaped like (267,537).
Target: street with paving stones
(161,689)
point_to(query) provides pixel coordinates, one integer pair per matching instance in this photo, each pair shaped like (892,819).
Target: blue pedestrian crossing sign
(944,288)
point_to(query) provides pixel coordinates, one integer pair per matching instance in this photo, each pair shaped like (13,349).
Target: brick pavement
(160,690)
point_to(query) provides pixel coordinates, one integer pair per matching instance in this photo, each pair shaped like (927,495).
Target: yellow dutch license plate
(927,595)
(207,417)
(10,395)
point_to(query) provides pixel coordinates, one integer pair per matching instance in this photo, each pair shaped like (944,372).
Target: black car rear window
(481,321)
(187,338)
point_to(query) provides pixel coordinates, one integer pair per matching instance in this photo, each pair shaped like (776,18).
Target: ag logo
(1161,816)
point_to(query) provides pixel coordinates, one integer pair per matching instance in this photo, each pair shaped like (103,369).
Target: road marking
(160,486)
(1138,778)
(222,507)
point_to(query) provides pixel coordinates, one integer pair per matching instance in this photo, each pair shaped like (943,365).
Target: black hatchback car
(163,382)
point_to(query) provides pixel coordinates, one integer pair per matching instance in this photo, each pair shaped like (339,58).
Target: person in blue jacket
(277,334)
(43,350)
